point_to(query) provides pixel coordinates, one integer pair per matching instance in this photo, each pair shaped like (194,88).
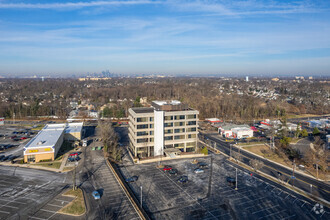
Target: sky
(243,37)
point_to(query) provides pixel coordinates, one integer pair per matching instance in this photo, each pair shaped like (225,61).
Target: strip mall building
(46,144)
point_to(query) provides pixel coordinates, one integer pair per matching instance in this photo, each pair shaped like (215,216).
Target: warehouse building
(46,144)
(235,131)
(166,128)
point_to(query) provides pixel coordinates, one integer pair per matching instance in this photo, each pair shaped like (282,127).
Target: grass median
(77,206)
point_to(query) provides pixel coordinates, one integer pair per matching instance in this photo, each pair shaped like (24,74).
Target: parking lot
(165,198)
(23,191)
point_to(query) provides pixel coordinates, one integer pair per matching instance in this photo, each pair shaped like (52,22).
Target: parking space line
(273,214)
(264,209)
(10,206)
(37,218)
(54,205)
(46,210)
(291,216)
(5,212)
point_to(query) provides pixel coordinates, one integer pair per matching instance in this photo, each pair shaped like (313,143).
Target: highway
(305,183)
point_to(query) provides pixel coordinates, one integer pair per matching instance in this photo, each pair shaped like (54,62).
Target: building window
(178,130)
(168,118)
(142,133)
(168,131)
(191,135)
(191,116)
(191,129)
(145,126)
(168,124)
(144,119)
(151,119)
(178,137)
(151,133)
(151,139)
(168,138)
(191,123)
(179,117)
(142,140)
(151,125)
(178,124)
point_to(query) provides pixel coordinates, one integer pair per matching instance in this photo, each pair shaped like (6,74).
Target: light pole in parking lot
(230,151)
(236,180)
(141,196)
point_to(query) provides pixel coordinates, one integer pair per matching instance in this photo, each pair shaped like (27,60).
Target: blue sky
(58,37)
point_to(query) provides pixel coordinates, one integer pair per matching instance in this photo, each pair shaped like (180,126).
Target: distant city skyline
(238,38)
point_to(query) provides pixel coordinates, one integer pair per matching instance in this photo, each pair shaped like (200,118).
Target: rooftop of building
(172,105)
(74,127)
(141,110)
(47,137)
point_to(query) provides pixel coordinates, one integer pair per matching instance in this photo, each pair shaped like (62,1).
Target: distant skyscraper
(247,79)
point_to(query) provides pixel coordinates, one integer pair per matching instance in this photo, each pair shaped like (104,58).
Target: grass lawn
(54,165)
(77,206)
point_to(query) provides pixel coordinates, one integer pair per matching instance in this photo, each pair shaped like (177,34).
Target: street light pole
(236,180)
(230,151)
(293,164)
(141,196)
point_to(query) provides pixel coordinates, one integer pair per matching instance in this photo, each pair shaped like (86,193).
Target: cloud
(73,5)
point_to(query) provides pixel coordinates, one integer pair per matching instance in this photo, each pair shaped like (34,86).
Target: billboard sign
(2,121)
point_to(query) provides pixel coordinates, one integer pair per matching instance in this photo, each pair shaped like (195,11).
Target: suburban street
(303,182)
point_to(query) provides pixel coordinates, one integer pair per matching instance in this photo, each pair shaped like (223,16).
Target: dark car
(71,159)
(231,180)
(132,179)
(6,158)
(183,179)
(2,156)
(202,165)
(173,171)
(167,168)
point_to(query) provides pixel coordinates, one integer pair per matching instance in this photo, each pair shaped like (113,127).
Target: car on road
(96,195)
(198,170)
(173,171)
(167,168)
(183,179)
(132,179)
(202,165)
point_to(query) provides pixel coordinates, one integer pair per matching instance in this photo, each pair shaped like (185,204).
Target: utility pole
(293,165)
(230,151)
(317,171)
(13,117)
(141,196)
(236,180)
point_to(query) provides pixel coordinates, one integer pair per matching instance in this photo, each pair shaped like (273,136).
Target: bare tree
(237,156)
(256,164)
(110,141)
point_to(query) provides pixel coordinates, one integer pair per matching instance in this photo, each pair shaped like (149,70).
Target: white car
(198,170)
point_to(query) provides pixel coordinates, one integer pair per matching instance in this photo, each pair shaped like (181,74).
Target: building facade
(165,125)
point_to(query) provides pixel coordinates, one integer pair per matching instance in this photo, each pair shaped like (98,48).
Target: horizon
(175,38)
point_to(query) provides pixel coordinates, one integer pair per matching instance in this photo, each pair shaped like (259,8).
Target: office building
(167,126)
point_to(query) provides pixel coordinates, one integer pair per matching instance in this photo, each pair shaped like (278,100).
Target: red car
(23,138)
(167,168)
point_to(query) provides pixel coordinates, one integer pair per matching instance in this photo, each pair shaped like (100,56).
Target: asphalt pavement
(319,189)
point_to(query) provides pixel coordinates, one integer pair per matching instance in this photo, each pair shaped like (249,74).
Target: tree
(285,141)
(204,151)
(304,133)
(256,164)
(298,131)
(110,141)
(316,131)
(237,156)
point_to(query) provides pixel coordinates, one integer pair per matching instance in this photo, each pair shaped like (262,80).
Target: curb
(59,212)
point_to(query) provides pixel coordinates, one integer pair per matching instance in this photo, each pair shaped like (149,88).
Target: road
(94,174)
(319,189)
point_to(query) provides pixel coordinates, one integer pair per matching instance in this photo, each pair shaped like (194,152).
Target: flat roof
(143,110)
(47,137)
(73,127)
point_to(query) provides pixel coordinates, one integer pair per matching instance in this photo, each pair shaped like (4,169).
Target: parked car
(202,165)
(173,171)
(183,179)
(23,138)
(198,170)
(96,195)
(167,168)
(231,180)
(132,179)
(2,156)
